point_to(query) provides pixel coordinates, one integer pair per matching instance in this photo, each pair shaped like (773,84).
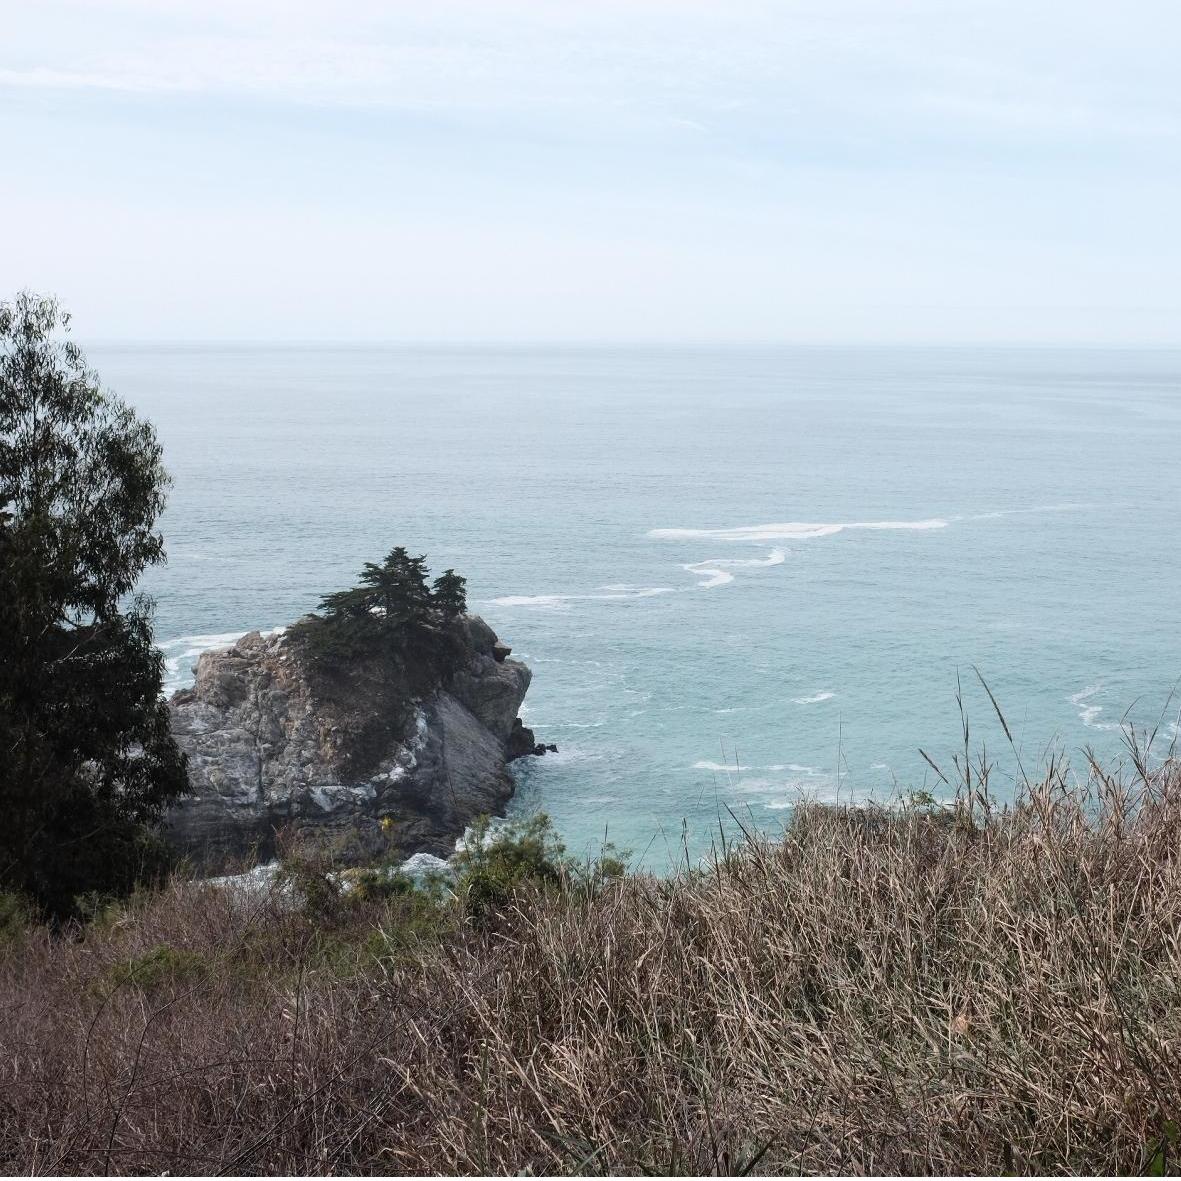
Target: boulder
(521,741)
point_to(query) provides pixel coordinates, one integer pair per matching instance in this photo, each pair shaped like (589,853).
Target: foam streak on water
(789,531)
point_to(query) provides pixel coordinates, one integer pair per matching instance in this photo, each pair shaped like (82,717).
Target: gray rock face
(350,767)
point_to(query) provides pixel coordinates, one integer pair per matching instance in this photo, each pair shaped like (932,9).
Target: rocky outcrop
(351,761)
(522,741)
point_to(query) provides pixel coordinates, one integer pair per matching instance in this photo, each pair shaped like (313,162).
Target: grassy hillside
(922,989)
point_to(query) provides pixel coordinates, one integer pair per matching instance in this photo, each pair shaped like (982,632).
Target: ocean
(741,577)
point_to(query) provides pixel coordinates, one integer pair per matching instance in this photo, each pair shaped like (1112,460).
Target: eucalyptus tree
(87,761)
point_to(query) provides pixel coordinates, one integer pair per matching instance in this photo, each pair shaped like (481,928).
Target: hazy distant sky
(832,170)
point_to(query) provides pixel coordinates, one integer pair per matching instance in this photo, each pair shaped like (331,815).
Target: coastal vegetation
(957,987)
(393,609)
(87,761)
(396,626)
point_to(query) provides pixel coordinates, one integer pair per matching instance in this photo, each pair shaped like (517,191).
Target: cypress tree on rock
(450,594)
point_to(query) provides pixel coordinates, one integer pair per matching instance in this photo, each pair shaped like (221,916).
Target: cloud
(680,169)
(850,67)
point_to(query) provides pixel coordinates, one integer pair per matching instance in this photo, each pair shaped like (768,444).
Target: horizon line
(570,344)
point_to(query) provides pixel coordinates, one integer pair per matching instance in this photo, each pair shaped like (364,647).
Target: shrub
(411,923)
(16,915)
(307,871)
(160,966)
(495,862)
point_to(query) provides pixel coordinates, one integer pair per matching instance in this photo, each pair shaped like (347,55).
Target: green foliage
(330,895)
(609,866)
(450,594)
(398,588)
(161,966)
(363,915)
(496,862)
(99,912)
(15,918)
(89,760)
(413,920)
(376,885)
(308,872)
(1158,1161)
(393,609)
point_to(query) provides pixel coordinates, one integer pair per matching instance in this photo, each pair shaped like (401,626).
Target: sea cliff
(353,758)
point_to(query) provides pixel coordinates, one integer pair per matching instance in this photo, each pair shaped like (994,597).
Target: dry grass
(909,991)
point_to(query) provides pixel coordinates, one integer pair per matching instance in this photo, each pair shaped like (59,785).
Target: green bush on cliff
(88,758)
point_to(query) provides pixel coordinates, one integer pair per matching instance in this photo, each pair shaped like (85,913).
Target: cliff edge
(366,758)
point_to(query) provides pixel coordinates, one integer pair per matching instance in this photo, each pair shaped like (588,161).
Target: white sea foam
(789,530)
(823,793)
(253,881)
(559,602)
(757,786)
(529,601)
(824,695)
(1016,512)
(1088,712)
(181,654)
(564,755)
(805,530)
(419,865)
(716,571)
(798,768)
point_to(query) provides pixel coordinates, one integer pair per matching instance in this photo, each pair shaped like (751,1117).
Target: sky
(798,171)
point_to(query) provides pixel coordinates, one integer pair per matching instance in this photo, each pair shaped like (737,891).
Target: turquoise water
(738,575)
